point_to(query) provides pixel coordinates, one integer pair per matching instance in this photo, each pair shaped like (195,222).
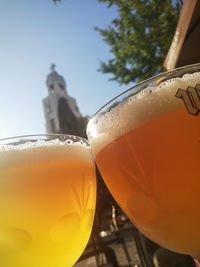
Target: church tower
(60,109)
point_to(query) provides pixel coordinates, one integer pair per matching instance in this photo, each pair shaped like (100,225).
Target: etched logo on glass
(191,98)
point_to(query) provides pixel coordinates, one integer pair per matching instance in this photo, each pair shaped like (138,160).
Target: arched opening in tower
(68,122)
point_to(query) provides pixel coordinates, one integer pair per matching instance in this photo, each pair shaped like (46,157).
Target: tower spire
(52,67)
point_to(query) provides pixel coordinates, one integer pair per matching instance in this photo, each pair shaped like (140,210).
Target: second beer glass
(146,144)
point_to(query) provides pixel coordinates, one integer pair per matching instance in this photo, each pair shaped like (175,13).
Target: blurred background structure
(61,111)
(184,49)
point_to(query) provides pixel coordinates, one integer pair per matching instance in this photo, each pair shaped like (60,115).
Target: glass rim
(63,137)
(145,81)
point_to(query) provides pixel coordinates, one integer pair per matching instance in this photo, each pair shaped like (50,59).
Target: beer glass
(47,200)
(146,144)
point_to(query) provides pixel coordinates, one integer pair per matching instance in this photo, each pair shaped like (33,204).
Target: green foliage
(139,38)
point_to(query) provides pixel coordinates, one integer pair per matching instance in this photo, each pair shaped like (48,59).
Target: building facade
(60,110)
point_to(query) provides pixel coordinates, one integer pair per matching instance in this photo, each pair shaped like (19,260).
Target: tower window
(51,88)
(61,86)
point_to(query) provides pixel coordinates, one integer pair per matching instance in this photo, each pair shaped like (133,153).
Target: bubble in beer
(66,227)
(15,237)
(143,208)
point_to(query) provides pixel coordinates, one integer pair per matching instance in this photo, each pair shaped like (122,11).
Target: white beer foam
(151,102)
(31,152)
(24,144)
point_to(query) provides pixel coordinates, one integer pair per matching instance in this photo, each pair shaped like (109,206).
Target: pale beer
(47,203)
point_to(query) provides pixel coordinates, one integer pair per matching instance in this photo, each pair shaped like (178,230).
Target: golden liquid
(47,203)
(153,172)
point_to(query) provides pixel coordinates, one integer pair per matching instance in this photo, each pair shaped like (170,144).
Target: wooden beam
(183,26)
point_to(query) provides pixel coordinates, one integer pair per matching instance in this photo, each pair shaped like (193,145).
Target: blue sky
(33,35)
